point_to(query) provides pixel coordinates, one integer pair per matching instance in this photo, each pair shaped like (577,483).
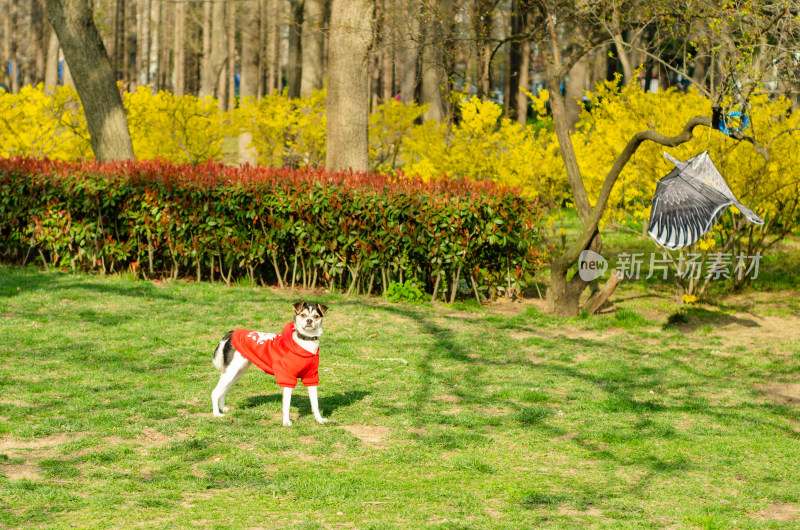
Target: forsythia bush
(352,230)
(179,129)
(285,132)
(482,145)
(39,125)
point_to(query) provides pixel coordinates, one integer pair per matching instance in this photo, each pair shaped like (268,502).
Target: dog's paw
(322,420)
(225,409)
(287,423)
(219,415)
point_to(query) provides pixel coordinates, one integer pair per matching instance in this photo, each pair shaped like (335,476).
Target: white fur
(231,374)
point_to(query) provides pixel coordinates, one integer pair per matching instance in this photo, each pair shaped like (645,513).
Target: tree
(294,70)
(213,49)
(348,85)
(408,18)
(178,71)
(312,47)
(745,34)
(248,84)
(437,58)
(94,80)
(51,64)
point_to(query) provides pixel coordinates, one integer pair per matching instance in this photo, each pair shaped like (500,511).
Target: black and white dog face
(308,318)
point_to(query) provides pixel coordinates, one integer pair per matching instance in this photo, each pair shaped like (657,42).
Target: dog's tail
(219,352)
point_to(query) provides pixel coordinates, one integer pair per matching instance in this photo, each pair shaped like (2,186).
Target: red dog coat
(279,355)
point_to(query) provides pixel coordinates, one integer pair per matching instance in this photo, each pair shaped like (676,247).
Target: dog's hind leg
(233,372)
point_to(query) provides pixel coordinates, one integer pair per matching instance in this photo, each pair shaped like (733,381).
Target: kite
(689,201)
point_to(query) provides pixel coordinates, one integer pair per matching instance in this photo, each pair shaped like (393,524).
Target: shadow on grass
(693,318)
(15,280)
(618,387)
(327,404)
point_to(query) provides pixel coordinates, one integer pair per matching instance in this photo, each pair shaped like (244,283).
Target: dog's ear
(322,309)
(298,306)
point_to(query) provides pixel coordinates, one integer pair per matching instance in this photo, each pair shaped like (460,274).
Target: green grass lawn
(440,416)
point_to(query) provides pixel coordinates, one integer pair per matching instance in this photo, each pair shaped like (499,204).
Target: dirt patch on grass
(760,331)
(151,437)
(372,435)
(781,393)
(786,512)
(40,446)
(17,403)
(21,471)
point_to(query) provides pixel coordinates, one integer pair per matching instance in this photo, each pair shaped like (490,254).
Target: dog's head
(308,318)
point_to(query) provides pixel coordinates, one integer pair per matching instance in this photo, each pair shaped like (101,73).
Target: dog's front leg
(312,396)
(287,402)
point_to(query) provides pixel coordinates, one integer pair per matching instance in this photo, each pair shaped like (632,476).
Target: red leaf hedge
(354,230)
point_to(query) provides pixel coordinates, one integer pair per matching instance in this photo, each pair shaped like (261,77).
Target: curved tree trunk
(91,70)
(348,89)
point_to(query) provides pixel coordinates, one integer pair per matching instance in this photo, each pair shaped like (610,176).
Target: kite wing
(689,201)
(684,210)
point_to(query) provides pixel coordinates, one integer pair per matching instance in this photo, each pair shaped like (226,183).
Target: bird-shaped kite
(689,201)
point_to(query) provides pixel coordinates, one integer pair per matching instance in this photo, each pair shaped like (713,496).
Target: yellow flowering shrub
(179,129)
(35,124)
(389,125)
(286,132)
(483,145)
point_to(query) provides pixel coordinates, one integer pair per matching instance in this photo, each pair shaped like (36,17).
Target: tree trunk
(482,28)
(436,60)
(348,85)
(410,53)
(143,48)
(94,80)
(5,79)
(524,75)
(515,53)
(261,50)
(51,66)
(274,65)
(230,33)
(179,70)
(154,56)
(248,83)
(39,42)
(294,70)
(387,56)
(214,60)
(313,39)
(13,65)
(164,46)
(67,77)
(573,98)
(128,74)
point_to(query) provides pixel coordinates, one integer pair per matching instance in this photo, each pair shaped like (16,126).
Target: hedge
(357,232)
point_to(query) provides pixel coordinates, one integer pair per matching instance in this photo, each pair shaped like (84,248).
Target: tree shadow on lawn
(618,392)
(689,320)
(327,404)
(15,280)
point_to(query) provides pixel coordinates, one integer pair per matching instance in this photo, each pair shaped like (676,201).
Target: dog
(292,354)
